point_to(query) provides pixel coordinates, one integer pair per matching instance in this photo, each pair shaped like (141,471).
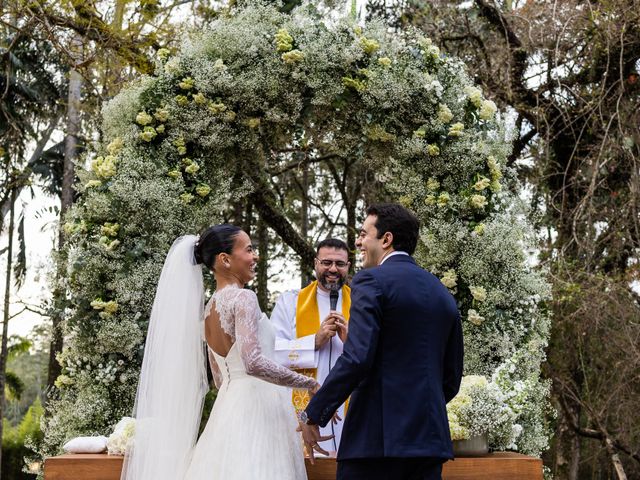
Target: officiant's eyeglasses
(338,263)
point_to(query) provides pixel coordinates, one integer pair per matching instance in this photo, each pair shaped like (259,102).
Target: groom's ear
(387,240)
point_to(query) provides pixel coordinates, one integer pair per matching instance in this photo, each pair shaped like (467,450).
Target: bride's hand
(313,390)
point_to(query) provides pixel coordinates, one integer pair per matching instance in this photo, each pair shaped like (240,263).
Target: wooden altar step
(495,466)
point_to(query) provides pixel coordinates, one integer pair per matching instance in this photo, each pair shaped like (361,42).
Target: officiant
(312,325)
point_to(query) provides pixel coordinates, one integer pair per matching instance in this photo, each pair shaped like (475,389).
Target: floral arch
(260,79)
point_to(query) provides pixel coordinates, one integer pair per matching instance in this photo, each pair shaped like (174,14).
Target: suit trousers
(390,468)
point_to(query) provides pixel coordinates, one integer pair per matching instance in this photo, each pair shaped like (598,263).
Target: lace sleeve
(247,315)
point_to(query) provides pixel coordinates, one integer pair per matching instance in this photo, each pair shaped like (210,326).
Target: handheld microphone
(333,297)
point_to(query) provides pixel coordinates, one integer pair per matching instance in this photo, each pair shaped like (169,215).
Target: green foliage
(27,369)
(14,449)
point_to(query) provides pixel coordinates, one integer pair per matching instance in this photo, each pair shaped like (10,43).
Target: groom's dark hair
(400,222)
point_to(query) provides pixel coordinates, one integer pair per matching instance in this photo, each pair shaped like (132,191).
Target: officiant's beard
(322,280)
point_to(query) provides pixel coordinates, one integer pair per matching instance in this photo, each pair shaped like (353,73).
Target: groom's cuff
(321,419)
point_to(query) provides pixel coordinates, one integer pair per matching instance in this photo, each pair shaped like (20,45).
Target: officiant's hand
(342,326)
(311,438)
(327,331)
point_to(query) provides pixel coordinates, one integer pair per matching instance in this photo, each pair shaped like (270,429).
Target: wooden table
(495,466)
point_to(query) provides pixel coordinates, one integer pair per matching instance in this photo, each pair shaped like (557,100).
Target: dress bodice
(231,366)
(254,341)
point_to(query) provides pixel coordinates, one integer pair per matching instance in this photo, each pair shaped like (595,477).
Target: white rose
(487,110)
(474,317)
(479,293)
(449,279)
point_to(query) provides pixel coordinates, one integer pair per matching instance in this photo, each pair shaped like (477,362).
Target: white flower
(474,317)
(478,201)
(444,113)
(479,293)
(92,183)
(163,53)
(475,95)
(172,66)
(433,150)
(449,279)
(487,110)
(115,146)
(443,199)
(456,129)
(143,118)
(121,440)
(481,184)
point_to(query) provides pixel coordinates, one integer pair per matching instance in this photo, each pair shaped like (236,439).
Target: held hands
(311,438)
(313,390)
(334,324)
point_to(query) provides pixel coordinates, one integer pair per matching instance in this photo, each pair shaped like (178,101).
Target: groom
(402,361)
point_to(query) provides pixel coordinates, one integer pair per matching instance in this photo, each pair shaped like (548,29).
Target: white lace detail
(240,315)
(225,300)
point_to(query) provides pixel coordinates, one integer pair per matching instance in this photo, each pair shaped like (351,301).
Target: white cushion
(86,445)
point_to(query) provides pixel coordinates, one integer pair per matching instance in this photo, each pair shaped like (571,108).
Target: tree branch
(520,144)
(299,163)
(90,26)
(266,203)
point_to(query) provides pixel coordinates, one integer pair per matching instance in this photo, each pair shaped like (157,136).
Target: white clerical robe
(296,353)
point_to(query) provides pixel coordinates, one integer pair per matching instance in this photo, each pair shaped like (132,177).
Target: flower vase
(472,447)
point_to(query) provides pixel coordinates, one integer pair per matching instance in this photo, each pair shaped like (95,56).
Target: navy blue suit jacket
(402,363)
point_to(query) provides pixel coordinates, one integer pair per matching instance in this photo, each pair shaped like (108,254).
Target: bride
(251,430)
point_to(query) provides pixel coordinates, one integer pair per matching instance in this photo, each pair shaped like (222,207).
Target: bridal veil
(173,378)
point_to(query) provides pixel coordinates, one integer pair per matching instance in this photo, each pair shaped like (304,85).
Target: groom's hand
(311,438)
(327,331)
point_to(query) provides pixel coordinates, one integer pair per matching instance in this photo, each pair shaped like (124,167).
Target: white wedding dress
(251,432)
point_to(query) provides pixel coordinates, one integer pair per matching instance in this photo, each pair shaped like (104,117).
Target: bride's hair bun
(213,241)
(196,253)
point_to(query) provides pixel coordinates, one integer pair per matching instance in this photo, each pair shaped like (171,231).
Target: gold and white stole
(308,323)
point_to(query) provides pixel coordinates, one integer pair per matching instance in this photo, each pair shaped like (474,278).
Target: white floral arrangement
(122,437)
(480,408)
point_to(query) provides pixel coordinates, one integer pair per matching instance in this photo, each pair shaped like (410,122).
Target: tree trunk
(6,316)
(262,276)
(351,233)
(66,200)
(574,462)
(615,459)
(305,274)
(266,204)
(247,221)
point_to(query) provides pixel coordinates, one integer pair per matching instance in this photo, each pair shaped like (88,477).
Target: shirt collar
(395,252)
